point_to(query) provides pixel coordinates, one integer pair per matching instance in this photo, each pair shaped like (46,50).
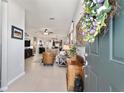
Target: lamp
(66,47)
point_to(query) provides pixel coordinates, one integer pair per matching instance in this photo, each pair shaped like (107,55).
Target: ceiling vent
(51,18)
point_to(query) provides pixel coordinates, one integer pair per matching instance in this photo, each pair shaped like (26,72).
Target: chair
(61,58)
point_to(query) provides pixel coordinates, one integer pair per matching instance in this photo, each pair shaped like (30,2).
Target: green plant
(96,17)
(72,51)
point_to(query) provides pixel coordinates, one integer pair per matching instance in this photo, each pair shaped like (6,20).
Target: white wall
(0,43)
(4,45)
(79,11)
(16,17)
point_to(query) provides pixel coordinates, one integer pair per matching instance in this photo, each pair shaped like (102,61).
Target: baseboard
(3,89)
(20,75)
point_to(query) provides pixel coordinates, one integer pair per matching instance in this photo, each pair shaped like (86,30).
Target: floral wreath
(96,16)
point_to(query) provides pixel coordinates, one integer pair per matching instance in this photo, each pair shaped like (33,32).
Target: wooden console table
(74,67)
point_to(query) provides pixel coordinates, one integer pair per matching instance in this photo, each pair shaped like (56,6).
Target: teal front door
(105,69)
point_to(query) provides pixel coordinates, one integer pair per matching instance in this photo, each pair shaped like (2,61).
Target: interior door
(105,69)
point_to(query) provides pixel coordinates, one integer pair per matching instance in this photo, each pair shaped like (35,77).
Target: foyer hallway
(40,78)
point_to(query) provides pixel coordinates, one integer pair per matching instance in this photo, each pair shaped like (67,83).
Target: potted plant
(72,51)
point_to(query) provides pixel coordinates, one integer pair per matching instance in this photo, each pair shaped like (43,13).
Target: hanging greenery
(96,16)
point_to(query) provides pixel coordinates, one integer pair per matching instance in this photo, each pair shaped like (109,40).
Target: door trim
(4,28)
(0,42)
(111,44)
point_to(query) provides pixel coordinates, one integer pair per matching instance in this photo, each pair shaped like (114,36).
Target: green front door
(105,70)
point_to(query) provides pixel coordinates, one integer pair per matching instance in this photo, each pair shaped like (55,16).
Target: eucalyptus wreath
(95,18)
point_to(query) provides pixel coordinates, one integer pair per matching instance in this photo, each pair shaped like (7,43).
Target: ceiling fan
(45,32)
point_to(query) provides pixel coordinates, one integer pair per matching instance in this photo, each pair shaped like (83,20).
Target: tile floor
(40,78)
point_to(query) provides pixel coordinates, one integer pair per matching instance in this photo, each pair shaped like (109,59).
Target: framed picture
(17,33)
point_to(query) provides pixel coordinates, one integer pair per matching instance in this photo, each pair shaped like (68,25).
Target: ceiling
(39,12)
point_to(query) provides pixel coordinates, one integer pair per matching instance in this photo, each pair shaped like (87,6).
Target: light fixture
(45,33)
(66,47)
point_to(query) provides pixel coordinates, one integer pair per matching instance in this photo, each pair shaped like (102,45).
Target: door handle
(86,76)
(86,54)
(86,64)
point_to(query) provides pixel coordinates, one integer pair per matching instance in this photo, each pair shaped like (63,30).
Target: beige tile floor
(39,78)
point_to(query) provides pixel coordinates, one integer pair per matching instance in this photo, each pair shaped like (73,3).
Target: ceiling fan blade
(45,30)
(50,32)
